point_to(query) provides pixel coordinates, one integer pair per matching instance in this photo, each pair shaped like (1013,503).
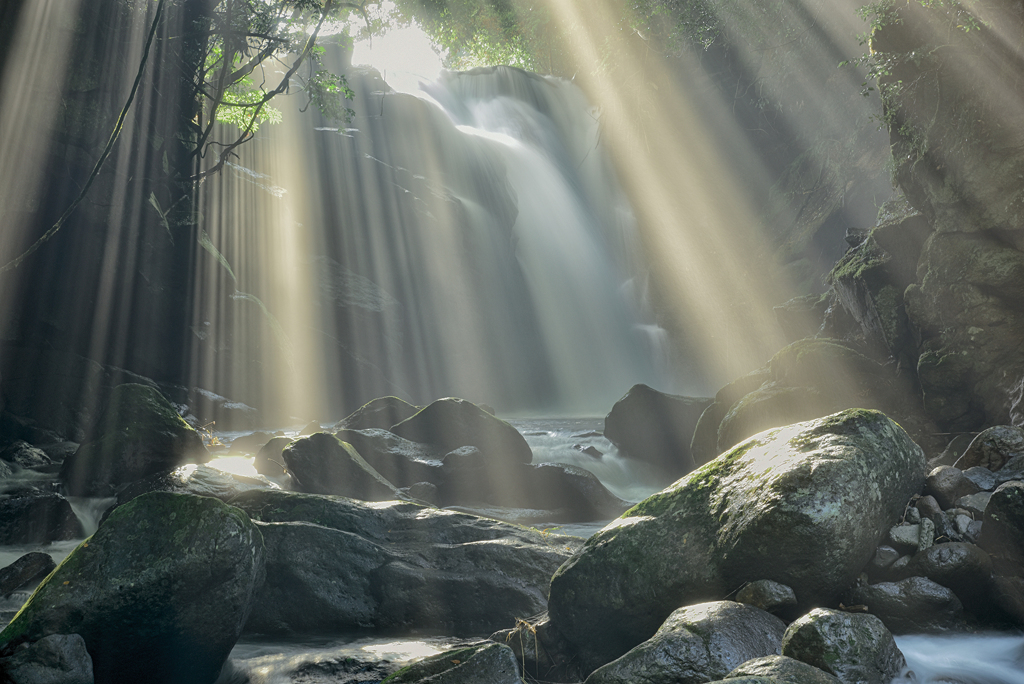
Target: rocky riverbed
(795,556)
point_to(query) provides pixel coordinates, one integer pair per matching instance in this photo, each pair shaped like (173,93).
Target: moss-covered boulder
(805,505)
(487,663)
(139,434)
(656,428)
(323,464)
(452,423)
(697,644)
(381,413)
(854,647)
(160,593)
(339,565)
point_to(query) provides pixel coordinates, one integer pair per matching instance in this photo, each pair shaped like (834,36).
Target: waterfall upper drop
(472,242)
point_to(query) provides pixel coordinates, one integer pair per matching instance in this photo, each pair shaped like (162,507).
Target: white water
(965,659)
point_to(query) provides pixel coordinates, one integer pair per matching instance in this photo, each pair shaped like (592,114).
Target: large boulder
(1002,535)
(452,423)
(804,505)
(656,428)
(202,480)
(159,593)
(139,434)
(37,518)
(323,464)
(25,571)
(993,448)
(697,644)
(380,413)
(855,647)
(335,564)
(403,462)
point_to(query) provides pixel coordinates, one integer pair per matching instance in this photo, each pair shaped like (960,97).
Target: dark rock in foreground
(697,644)
(853,647)
(159,593)
(803,505)
(783,670)
(656,428)
(56,659)
(139,434)
(337,565)
(913,605)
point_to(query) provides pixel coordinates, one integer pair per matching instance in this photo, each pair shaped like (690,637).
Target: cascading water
(471,243)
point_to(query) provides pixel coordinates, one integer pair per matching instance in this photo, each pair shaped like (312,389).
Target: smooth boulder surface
(783,670)
(139,434)
(804,505)
(993,448)
(160,593)
(487,663)
(202,480)
(656,428)
(1002,536)
(381,413)
(402,461)
(37,518)
(855,647)
(334,564)
(24,455)
(323,464)
(912,605)
(452,423)
(697,644)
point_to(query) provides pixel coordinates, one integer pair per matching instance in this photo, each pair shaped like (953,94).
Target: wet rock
(487,663)
(335,564)
(202,480)
(37,518)
(912,537)
(656,428)
(452,423)
(24,455)
(588,450)
(25,571)
(852,647)
(993,448)
(139,434)
(768,595)
(222,412)
(915,604)
(159,593)
(928,507)
(1002,536)
(883,559)
(947,484)
(974,503)
(269,461)
(323,464)
(380,413)
(54,659)
(802,505)
(697,644)
(960,566)
(783,670)
(59,451)
(401,461)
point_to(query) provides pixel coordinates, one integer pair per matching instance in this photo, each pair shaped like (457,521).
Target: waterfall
(471,241)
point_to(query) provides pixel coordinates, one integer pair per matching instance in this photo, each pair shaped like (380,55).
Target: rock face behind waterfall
(160,593)
(803,505)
